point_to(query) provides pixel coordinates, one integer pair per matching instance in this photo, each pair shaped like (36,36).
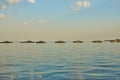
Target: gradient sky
(59,19)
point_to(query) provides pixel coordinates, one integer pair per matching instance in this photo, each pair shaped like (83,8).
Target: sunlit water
(50,61)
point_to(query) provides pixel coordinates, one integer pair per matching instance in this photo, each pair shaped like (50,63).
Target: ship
(77,41)
(29,41)
(40,42)
(115,41)
(6,42)
(60,41)
(97,41)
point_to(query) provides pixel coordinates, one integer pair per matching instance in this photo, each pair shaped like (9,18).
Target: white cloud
(86,4)
(80,4)
(2,16)
(13,1)
(32,1)
(2,7)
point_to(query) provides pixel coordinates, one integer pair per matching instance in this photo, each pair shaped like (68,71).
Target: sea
(60,61)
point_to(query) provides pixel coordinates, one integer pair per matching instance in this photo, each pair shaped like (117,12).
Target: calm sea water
(87,61)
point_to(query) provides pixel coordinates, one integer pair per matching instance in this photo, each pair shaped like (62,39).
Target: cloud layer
(18,1)
(2,7)
(13,1)
(76,6)
(32,1)
(4,4)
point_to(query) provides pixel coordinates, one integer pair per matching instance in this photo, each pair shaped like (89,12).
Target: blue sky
(59,19)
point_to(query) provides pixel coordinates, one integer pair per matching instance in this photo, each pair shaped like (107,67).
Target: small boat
(60,41)
(77,41)
(40,42)
(118,40)
(27,42)
(115,41)
(97,41)
(6,42)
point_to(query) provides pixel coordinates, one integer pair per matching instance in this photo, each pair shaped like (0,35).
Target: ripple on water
(57,62)
(108,66)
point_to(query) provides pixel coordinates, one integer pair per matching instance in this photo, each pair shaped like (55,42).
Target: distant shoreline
(62,41)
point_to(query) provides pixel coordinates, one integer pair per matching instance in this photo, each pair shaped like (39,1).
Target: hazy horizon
(59,19)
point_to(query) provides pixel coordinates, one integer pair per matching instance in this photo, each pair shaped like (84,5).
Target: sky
(59,19)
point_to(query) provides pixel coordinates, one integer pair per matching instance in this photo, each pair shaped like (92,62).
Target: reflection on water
(60,61)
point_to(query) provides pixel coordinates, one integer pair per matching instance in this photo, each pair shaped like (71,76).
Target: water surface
(87,61)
